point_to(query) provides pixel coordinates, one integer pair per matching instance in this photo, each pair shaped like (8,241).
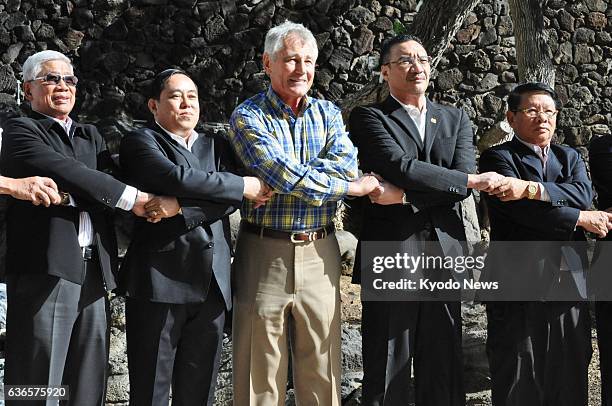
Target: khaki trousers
(286,295)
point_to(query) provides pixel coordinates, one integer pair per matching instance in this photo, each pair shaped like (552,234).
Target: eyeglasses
(407,61)
(55,78)
(533,113)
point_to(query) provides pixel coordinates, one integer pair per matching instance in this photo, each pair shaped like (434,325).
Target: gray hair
(276,36)
(33,65)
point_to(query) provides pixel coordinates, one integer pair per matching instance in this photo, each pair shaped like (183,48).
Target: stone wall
(117,46)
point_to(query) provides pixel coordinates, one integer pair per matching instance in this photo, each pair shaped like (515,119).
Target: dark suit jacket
(433,174)
(45,240)
(174,260)
(535,266)
(600,160)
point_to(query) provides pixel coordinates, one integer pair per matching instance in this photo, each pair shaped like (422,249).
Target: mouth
(61,99)
(297,81)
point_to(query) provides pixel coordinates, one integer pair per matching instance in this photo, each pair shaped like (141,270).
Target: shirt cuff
(544,196)
(127,199)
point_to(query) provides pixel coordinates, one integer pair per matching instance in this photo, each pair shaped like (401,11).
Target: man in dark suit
(424,152)
(176,272)
(600,161)
(60,260)
(539,349)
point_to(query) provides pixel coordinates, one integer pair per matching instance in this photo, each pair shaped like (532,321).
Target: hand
(598,222)
(139,205)
(161,207)
(256,190)
(363,186)
(510,189)
(484,181)
(386,193)
(38,190)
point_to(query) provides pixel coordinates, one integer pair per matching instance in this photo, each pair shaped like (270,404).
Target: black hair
(385,50)
(159,81)
(516,95)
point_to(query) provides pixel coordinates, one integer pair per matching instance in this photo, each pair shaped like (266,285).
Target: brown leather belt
(293,236)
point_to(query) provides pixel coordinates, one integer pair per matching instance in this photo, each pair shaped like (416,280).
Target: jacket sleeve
(425,184)
(24,153)
(541,217)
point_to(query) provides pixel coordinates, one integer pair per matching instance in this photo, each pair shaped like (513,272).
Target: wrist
(6,185)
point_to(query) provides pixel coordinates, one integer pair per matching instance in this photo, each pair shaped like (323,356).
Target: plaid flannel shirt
(308,159)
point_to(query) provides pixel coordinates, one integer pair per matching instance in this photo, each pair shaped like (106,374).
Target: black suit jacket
(174,260)
(45,240)
(533,268)
(433,173)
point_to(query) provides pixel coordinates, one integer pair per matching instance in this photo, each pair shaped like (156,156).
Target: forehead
(408,48)
(294,44)
(179,82)
(55,66)
(537,99)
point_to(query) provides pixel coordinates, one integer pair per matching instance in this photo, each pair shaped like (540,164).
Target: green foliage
(399,27)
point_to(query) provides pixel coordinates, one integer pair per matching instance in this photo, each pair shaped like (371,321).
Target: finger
(42,196)
(50,183)
(35,200)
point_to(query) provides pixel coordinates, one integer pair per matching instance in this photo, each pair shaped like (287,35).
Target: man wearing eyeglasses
(61,259)
(539,350)
(424,153)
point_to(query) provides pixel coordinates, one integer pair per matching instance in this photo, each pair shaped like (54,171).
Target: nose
(62,84)
(417,67)
(300,66)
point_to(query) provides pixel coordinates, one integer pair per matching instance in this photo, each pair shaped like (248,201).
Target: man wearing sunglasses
(539,335)
(61,259)
(424,152)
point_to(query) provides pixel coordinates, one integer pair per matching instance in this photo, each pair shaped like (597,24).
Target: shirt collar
(412,110)
(280,105)
(181,141)
(66,124)
(541,152)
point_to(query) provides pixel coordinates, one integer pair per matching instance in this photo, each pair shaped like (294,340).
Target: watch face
(532,189)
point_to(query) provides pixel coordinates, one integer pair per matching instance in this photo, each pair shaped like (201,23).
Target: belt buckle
(312,236)
(293,240)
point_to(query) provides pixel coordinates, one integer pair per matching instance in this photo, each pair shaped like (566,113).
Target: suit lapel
(530,160)
(553,167)
(432,123)
(189,157)
(402,118)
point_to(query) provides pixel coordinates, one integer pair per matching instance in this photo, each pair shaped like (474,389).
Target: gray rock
(383,24)
(582,54)
(348,246)
(596,20)
(24,33)
(215,29)
(45,32)
(596,5)
(505,26)
(12,53)
(301,4)
(569,117)
(567,73)
(449,79)
(263,13)
(363,41)
(487,83)
(7,79)
(584,35)
(600,129)
(2,306)
(73,39)
(117,389)
(479,61)
(487,37)
(566,20)
(564,53)
(361,15)
(341,59)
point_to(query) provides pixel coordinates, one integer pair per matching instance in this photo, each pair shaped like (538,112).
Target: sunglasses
(56,78)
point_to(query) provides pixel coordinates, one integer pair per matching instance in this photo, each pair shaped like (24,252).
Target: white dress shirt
(185,144)
(417,116)
(125,202)
(542,153)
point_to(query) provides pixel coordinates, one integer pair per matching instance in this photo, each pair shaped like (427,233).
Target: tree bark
(436,23)
(533,54)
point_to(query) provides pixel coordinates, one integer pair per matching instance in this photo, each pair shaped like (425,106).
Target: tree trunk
(533,54)
(436,23)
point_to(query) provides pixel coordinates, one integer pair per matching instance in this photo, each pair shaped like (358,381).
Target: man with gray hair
(287,264)
(60,260)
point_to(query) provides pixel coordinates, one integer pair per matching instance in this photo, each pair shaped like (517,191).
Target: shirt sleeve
(315,182)
(127,199)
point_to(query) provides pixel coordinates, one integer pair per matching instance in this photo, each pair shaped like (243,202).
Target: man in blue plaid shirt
(287,265)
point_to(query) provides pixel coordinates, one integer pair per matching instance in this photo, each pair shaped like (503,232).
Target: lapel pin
(433,120)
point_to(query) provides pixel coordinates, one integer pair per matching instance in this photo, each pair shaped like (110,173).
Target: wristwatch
(405,199)
(532,190)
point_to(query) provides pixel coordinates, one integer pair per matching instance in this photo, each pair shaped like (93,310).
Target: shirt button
(211,244)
